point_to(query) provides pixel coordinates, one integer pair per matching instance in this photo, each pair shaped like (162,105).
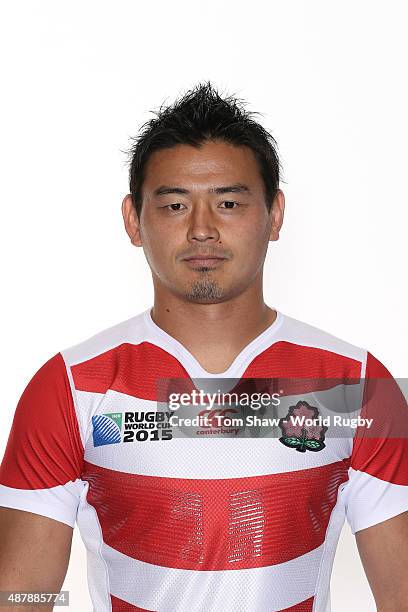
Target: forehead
(212,162)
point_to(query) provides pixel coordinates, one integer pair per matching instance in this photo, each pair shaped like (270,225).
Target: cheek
(154,237)
(159,250)
(252,242)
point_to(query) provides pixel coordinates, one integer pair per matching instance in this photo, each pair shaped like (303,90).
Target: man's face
(206,202)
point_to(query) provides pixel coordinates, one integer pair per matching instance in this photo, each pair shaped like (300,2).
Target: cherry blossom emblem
(301,429)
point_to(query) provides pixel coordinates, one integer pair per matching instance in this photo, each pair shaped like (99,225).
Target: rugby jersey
(203,520)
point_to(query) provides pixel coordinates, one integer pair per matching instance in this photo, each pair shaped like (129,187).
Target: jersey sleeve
(43,460)
(377,489)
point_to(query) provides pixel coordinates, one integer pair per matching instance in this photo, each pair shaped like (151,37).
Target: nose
(202,225)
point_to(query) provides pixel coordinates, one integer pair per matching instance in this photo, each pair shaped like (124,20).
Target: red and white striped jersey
(197,523)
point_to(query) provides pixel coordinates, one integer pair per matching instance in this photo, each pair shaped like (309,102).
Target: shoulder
(305,334)
(131,331)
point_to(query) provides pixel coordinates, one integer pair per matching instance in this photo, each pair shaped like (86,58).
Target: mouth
(208,262)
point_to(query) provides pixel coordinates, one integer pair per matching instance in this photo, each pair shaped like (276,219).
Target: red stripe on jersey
(129,368)
(118,605)
(215,524)
(44,448)
(288,359)
(119,369)
(382,450)
(303,606)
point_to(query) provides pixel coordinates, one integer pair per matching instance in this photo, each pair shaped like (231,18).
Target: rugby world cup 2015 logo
(107,428)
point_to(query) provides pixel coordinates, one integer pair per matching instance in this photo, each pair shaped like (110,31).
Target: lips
(208,261)
(202,257)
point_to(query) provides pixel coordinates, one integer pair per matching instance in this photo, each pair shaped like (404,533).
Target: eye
(174,204)
(229,202)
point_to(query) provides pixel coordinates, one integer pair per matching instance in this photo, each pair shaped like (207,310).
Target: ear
(131,220)
(276,214)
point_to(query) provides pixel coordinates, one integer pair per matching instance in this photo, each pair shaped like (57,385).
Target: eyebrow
(236,188)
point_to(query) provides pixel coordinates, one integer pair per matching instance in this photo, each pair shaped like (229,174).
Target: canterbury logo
(209,415)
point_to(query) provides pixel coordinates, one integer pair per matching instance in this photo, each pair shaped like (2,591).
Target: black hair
(200,115)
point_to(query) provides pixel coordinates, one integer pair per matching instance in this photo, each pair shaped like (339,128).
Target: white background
(79,78)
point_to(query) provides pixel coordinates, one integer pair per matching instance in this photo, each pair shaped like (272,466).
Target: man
(204,517)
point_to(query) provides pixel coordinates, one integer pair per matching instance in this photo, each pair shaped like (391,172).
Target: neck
(231,323)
